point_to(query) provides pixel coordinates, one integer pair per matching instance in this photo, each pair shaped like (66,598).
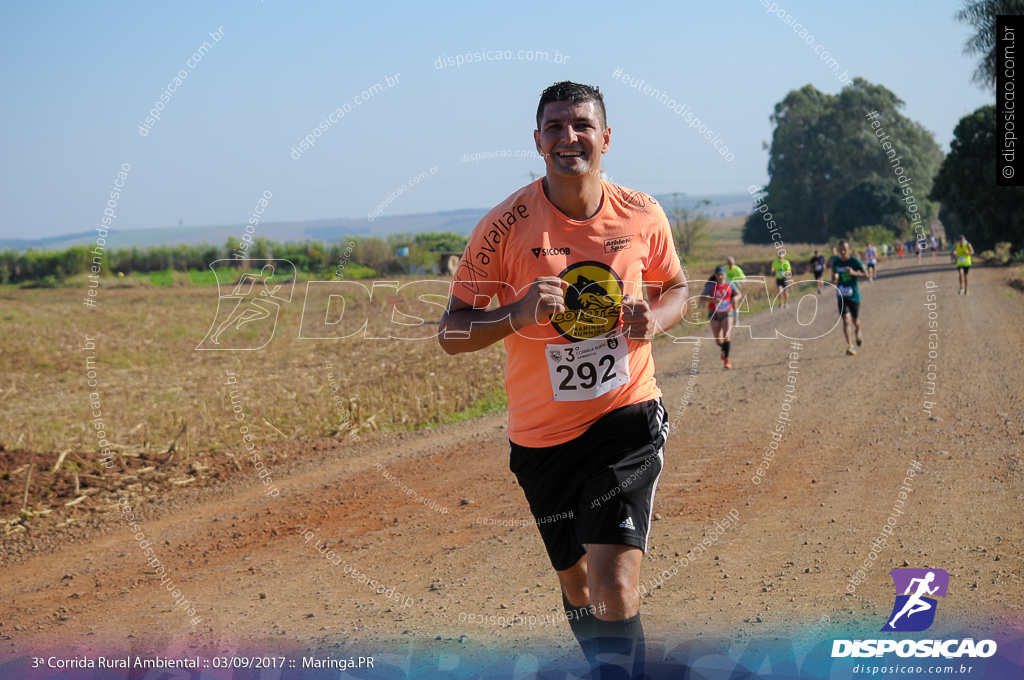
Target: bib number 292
(585,374)
(588,369)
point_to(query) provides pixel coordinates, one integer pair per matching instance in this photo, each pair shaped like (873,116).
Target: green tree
(374,253)
(439,243)
(981,14)
(972,203)
(690,227)
(874,201)
(872,233)
(824,146)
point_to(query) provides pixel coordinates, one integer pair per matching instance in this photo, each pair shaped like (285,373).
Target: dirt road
(855,426)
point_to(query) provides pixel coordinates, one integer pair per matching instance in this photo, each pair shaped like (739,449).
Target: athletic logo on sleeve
(915,607)
(593,301)
(615,245)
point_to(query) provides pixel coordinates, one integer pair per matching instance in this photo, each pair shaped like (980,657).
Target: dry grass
(155,389)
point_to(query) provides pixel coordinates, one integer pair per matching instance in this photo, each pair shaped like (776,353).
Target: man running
(722,296)
(916,603)
(818,267)
(962,251)
(845,272)
(568,257)
(783,269)
(734,274)
(871,255)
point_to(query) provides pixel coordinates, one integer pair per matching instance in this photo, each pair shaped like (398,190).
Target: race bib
(846,291)
(841,270)
(818,268)
(723,306)
(961,259)
(587,369)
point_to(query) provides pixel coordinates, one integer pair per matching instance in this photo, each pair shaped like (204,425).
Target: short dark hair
(568,91)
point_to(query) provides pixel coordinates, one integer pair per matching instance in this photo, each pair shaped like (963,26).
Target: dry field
(167,407)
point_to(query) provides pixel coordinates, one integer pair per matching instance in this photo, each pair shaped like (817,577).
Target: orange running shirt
(555,372)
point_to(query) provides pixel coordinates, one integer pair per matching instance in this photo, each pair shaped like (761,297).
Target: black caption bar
(1010,170)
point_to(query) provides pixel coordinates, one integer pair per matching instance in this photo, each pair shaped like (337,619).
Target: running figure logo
(915,607)
(247,316)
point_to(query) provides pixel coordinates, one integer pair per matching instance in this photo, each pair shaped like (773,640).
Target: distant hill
(458,221)
(722,205)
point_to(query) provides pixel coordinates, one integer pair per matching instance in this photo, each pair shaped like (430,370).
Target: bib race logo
(915,607)
(593,301)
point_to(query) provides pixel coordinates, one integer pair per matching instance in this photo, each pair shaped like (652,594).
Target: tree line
(830,178)
(379,256)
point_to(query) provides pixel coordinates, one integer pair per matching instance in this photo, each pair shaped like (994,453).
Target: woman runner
(723,296)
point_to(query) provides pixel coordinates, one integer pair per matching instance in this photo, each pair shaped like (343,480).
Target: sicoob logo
(914,609)
(593,301)
(547,252)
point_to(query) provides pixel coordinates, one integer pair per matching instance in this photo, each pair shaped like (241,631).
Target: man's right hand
(545,296)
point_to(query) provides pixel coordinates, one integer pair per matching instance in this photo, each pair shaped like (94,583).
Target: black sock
(725,348)
(581,622)
(621,649)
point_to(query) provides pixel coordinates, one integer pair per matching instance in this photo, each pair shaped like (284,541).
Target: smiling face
(844,250)
(571,138)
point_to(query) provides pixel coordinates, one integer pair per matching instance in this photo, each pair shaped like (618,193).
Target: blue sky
(80,77)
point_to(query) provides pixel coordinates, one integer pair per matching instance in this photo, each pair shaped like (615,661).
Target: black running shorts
(606,479)
(848,305)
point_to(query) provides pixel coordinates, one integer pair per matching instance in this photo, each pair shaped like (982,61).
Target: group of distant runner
(723,295)
(918,247)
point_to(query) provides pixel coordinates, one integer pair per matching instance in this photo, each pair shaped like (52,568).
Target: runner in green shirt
(733,274)
(845,272)
(783,271)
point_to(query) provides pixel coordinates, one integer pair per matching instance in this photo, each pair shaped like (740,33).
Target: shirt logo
(633,197)
(614,245)
(593,301)
(548,252)
(915,609)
